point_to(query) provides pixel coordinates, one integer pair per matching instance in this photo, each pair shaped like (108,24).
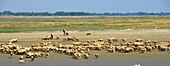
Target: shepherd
(64,31)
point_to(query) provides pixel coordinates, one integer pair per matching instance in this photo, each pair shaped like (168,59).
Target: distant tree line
(62,13)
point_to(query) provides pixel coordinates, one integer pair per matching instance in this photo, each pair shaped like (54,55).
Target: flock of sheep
(81,50)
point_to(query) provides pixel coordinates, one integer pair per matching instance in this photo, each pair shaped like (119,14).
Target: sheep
(29,54)
(32,58)
(88,34)
(13,40)
(88,41)
(11,54)
(136,65)
(111,50)
(96,55)
(86,55)
(100,40)
(112,39)
(47,54)
(77,55)
(57,38)
(70,38)
(21,60)
(47,37)
(139,40)
(123,39)
(67,33)
(21,51)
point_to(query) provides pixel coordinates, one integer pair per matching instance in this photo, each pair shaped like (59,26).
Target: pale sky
(98,6)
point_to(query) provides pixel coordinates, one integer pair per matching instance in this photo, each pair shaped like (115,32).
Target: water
(106,59)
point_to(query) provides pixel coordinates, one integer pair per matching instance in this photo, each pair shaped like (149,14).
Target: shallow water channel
(154,58)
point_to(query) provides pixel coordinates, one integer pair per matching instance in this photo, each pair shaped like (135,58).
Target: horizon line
(82,11)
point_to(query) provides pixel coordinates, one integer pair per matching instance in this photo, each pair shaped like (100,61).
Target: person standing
(64,31)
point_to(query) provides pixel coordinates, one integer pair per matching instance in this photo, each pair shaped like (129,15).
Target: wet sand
(154,58)
(106,59)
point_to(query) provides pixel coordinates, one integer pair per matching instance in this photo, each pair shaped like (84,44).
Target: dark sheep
(88,34)
(67,33)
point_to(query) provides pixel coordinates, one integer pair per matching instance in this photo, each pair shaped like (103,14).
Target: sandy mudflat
(130,35)
(154,58)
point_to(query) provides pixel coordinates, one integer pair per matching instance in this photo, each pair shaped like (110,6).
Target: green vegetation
(62,13)
(29,24)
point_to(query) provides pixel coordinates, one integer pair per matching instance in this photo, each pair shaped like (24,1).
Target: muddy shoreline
(154,58)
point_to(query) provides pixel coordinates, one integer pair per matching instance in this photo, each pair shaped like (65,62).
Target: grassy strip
(78,28)
(84,24)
